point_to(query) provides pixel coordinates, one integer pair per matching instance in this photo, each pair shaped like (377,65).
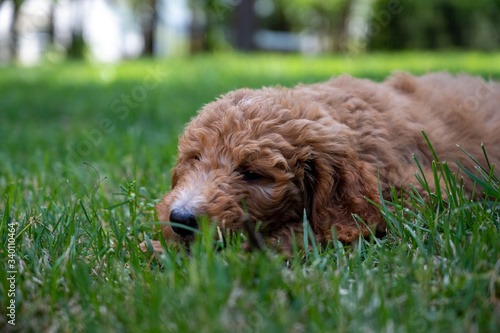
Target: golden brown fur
(317,148)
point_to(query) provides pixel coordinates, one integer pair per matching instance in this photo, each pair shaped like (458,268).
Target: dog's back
(388,118)
(460,109)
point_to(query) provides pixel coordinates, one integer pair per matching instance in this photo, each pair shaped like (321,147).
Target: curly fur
(317,148)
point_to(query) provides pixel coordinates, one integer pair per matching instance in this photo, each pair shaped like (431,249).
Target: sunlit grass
(78,261)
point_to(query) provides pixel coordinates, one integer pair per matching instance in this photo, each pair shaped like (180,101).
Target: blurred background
(112,30)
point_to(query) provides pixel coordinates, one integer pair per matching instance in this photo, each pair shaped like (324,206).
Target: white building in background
(110,28)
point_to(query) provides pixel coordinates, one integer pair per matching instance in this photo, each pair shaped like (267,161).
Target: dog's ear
(175,176)
(310,179)
(336,188)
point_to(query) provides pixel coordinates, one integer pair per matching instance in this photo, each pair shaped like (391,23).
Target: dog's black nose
(184,218)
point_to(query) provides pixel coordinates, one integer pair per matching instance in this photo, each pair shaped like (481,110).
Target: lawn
(86,152)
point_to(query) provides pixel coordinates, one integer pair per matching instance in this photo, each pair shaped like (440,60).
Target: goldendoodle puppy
(317,149)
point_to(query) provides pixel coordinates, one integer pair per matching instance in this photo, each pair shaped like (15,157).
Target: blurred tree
(198,27)
(328,19)
(51,24)
(148,29)
(213,24)
(146,12)
(14,34)
(436,24)
(274,17)
(245,25)
(76,47)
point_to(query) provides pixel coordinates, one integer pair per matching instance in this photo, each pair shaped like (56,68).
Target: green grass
(78,263)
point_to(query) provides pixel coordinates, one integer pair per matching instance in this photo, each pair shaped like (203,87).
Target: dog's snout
(184,218)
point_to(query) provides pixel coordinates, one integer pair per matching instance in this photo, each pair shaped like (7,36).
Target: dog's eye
(250,176)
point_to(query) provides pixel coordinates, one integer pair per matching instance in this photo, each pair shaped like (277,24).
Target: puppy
(316,150)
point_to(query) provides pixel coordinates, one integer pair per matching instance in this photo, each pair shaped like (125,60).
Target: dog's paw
(156,247)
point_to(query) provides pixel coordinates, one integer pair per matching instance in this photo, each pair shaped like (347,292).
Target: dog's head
(274,153)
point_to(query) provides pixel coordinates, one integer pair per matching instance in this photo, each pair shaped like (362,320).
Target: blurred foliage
(328,19)
(387,24)
(436,24)
(333,26)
